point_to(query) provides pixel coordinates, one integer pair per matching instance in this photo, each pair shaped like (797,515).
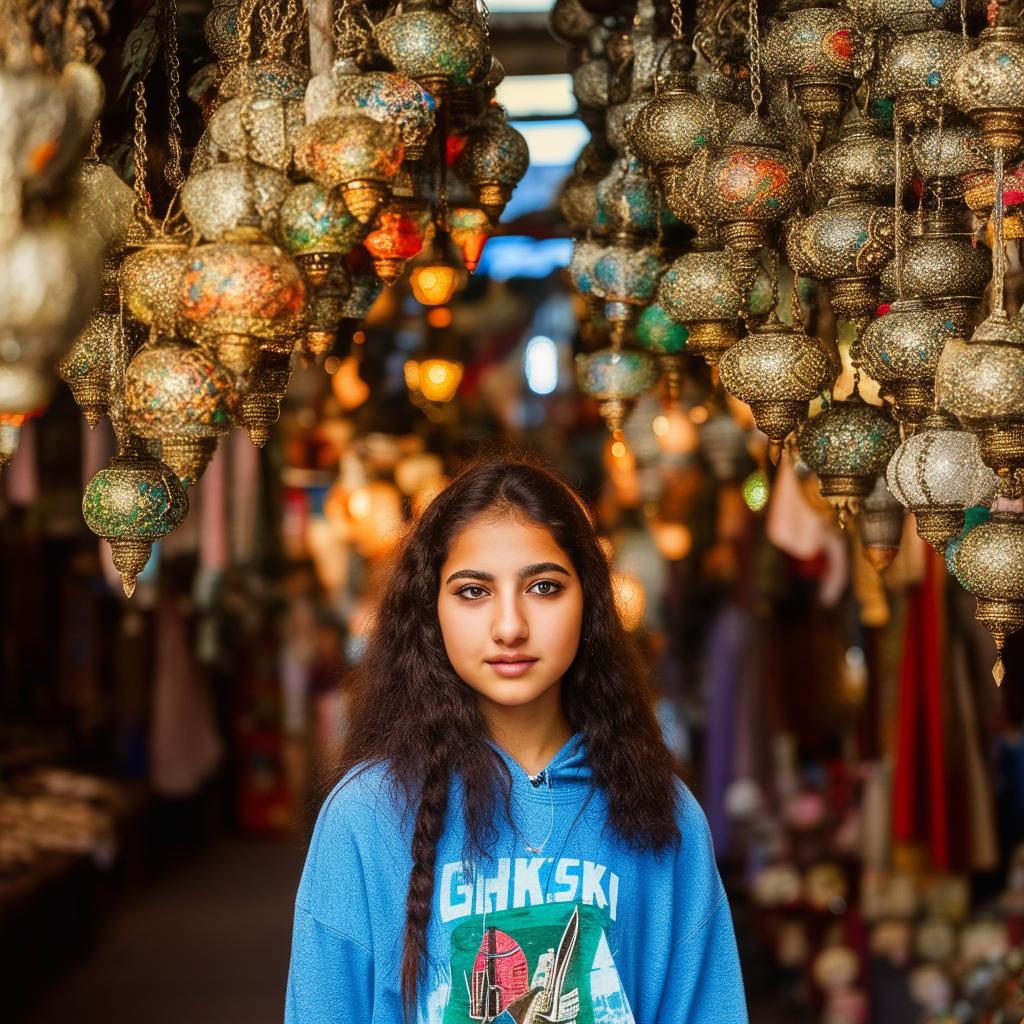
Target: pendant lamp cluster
(875,149)
(306,194)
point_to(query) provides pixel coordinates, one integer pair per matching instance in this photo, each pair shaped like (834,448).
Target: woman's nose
(509,625)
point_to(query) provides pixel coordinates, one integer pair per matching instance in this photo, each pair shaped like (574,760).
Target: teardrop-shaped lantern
(616,378)
(402,226)
(260,407)
(492,163)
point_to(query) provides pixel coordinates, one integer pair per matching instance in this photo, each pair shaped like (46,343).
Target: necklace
(540,779)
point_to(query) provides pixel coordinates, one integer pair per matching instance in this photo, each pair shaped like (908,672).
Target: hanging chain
(963,19)
(97,141)
(246,13)
(271,26)
(677,19)
(796,311)
(352,35)
(172,170)
(998,241)
(143,200)
(756,96)
(897,211)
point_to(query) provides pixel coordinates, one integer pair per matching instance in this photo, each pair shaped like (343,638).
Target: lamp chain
(756,96)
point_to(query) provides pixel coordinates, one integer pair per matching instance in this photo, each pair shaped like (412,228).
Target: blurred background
(162,758)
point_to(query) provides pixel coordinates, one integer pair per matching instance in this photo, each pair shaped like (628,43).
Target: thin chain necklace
(540,779)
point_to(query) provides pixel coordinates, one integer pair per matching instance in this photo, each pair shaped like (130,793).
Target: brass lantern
(917,70)
(355,154)
(625,276)
(664,338)
(616,378)
(777,370)
(812,48)
(848,445)
(492,163)
(177,395)
(700,291)
(432,45)
(981,382)
(937,473)
(988,85)
(217,200)
(751,183)
(261,128)
(133,502)
(945,154)
(239,294)
(401,229)
(989,562)
(901,351)
(260,407)
(150,282)
(881,526)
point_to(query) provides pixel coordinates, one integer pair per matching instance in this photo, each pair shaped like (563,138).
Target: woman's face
(511,607)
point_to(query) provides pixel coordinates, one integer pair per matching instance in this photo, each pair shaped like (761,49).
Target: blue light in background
(540,361)
(518,256)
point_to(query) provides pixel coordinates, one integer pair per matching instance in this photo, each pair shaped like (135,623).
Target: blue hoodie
(563,922)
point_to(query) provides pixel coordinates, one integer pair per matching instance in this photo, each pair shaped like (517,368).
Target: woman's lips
(512,669)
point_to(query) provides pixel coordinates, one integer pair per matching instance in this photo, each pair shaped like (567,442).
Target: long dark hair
(412,713)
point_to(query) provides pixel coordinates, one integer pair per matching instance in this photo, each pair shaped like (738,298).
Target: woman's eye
(472,592)
(546,587)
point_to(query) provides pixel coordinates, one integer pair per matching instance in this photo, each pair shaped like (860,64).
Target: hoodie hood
(567,776)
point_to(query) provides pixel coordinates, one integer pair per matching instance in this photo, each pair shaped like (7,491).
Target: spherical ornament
(469,228)
(627,199)
(846,244)
(23,389)
(133,502)
(366,286)
(314,219)
(848,445)
(227,194)
(267,78)
(385,96)
(625,276)
(901,351)
(433,46)
(492,163)
(220,29)
(902,16)
(750,183)
(585,254)
(988,85)
(150,281)
(354,153)
(859,166)
(668,131)
(590,83)
(86,367)
(944,154)
(990,564)
(812,48)
(616,378)
(699,291)
(881,526)
(240,292)
(578,203)
(981,382)
(777,370)
(178,395)
(49,284)
(402,225)
(263,129)
(937,472)
(662,336)
(916,72)
(261,406)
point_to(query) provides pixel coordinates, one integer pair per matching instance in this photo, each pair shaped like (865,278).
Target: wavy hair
(412,713)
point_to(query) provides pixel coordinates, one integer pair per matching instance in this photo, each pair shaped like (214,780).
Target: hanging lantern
(261,128)
(402,225)
(668,131)
(699,291)
(133,502)
(750,184)
(428,43)
(439,379)
(469,228)
(901,351)
(24,392)
(386,96)
(616,378)
(354,153)
(366,285)
(271,78)
(664,338)
(493,161)
(989,563)
(981,382)
(848,445)
(860,166)
(988,86)
(812,48)
(435,279)
(902,16)
(915,72)
(150,282)
(175,394)
(625,276)
(222,197)
(777,370)
(846,245)
(937,473)
(944,155)
(942,267)
(260,407)
(881,526)
(241,292)
(220,30)
(585,254)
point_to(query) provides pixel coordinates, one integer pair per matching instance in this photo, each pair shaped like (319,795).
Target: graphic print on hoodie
(562,922)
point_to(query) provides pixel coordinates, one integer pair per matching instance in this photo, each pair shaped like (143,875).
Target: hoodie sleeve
(341,968)
(703,981)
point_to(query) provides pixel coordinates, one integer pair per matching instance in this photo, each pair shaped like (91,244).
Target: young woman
(509,841)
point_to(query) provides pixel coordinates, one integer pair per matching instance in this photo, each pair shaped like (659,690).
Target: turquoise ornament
(616,378)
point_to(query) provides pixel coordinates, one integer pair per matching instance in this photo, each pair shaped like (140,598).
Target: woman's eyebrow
(470,574)
(525,573)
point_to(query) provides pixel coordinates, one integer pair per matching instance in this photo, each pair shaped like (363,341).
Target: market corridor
(207,943)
